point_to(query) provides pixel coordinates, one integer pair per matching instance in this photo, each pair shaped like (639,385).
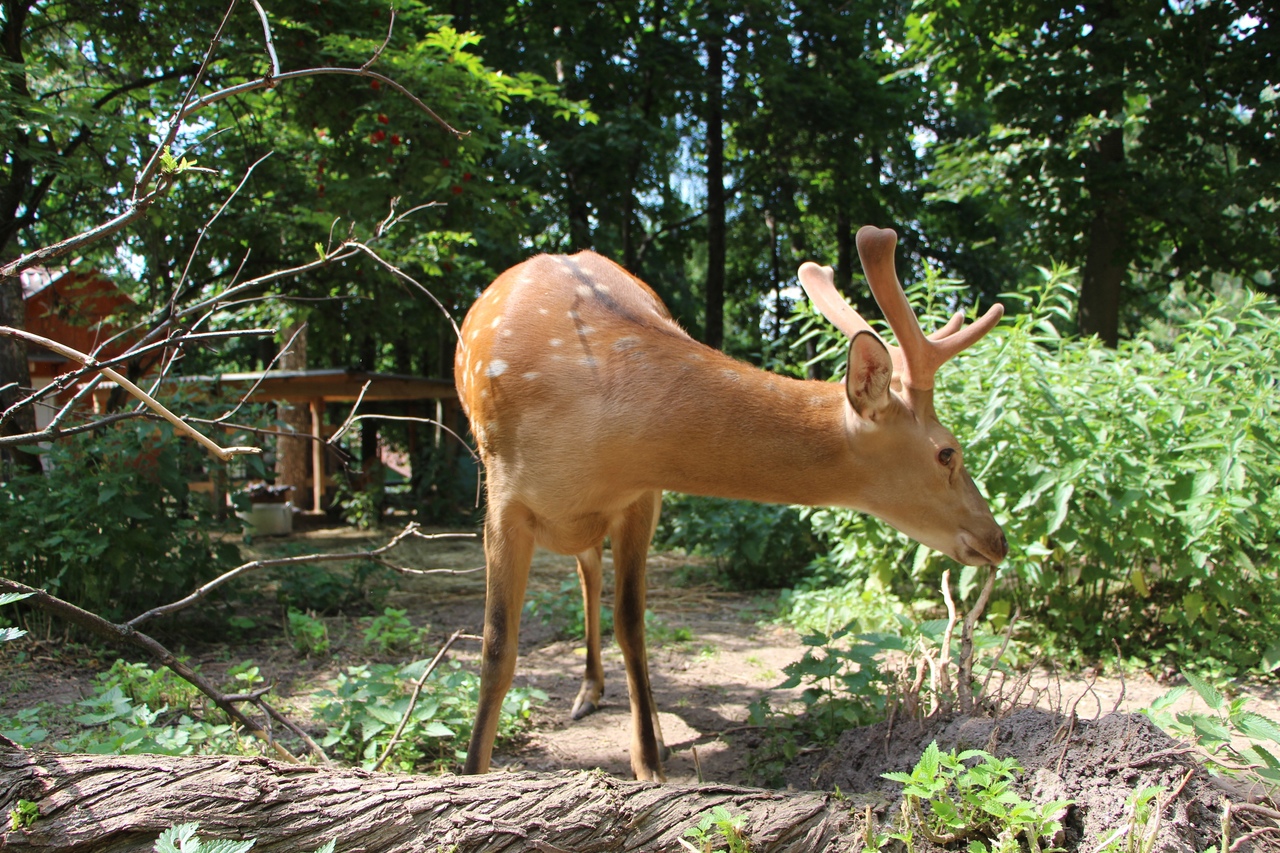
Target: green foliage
(562,611)
(113,527)
(183,839)
(360,504)
(327,588)
(393,632)
(368,702)
(716,827)
(948,801)
(1136,486)
(1139,833)
(115,725)
(843,686)
(307,633)
(7,634)
(23,815)
(1218,731)
(756,546)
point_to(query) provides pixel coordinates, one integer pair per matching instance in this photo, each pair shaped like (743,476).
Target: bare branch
(266,37)
(223,453)
(391,25)
(410,530)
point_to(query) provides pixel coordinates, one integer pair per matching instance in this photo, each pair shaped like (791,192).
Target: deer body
(587,401)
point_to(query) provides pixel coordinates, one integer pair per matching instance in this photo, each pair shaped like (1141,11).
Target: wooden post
(317,455)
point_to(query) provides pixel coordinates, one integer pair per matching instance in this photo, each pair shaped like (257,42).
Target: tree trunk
(114,804)
(1104,269)
(714,333)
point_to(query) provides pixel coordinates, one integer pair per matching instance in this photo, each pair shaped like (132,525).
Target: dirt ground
(712,653)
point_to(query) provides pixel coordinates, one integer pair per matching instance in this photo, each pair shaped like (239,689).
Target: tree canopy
(708,147)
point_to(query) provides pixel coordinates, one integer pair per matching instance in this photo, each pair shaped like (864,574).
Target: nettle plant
(1136,485)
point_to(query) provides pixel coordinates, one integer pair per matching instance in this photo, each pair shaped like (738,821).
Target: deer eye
(946,456)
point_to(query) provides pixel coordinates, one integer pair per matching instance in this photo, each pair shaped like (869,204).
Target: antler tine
(921,356)
(820,284)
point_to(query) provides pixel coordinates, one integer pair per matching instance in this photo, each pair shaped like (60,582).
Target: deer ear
(870,372)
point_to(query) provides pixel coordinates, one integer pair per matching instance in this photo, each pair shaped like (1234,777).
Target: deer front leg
(631,535)
(590,574)
(508,551)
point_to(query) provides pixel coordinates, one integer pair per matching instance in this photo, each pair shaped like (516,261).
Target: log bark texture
(112,804)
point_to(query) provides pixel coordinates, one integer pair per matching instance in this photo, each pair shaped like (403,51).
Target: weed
(24,727)
(7,634)
(562,611)
(393,632)
(368,702)
(183,839)
(23,815)
(950,802)
(718,826)
(1138,835)
(308,634)
(1213,732)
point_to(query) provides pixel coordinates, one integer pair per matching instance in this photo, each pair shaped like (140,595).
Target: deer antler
(921,356)
(917,358)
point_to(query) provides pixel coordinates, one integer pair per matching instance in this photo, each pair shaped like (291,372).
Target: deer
(587,400)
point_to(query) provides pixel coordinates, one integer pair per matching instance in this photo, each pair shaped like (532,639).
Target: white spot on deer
(543,311)
(497,321)
(626,343)
(531,375)
(584,291)
(731,374)
(588,362)
(573,315)
(585,330)
(554,342)
(497,367)
(476,367)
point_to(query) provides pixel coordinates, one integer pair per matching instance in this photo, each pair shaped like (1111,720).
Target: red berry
(383,119)
(395,139)
(377,136)
(466,176)
(375,84)
(456,190)
(444,161)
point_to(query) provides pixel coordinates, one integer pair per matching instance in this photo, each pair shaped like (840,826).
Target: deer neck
(732,430)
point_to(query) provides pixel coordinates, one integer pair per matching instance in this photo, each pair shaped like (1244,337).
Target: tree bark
(714,332)
(114,804)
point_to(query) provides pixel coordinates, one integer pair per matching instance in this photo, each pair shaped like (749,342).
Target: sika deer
(587,401)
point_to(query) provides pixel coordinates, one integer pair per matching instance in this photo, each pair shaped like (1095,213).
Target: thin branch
(391,25)
(355,244)
(266,37)
(410,530)
(944,684)
(342,430)
(421,420)
(223,453)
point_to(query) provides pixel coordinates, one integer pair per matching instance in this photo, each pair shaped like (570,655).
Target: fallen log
(121,804)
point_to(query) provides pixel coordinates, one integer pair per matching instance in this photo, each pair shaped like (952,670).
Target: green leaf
(1256,727)
(1207,691)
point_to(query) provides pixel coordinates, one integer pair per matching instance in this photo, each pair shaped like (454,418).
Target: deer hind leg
(590,573)
(631,535)
(508,551)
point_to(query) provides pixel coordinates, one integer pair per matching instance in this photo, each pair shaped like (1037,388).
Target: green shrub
(112,527)
(1137,486)
(756,546)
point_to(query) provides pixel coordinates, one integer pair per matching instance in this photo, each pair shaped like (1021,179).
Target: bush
(1137,486)
(756,546)
(112,526)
